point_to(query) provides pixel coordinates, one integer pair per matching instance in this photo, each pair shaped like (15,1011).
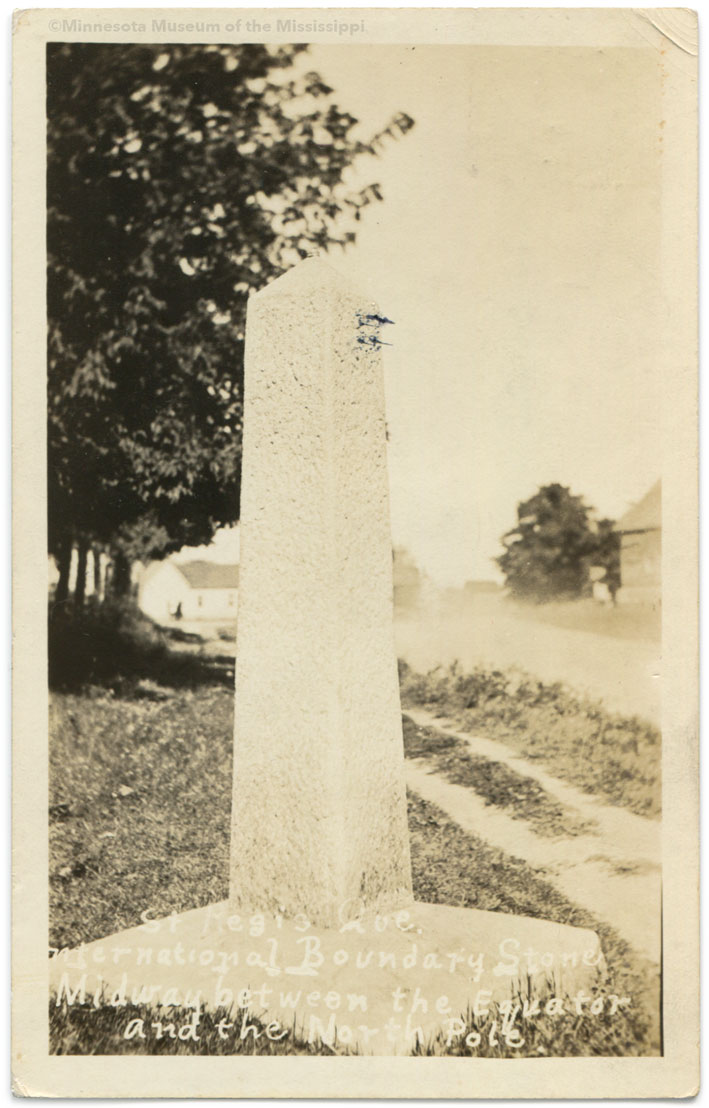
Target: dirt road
(610,869)
(623,672)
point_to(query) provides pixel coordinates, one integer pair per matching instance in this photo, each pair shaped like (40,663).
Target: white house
(189,590)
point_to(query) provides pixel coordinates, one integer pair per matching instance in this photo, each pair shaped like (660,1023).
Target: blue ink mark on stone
(372,319)
(375,321)
(372,340)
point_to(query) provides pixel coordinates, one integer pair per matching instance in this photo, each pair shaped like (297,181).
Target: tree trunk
(80,587)
(96,559)
(63,559)
(120,577)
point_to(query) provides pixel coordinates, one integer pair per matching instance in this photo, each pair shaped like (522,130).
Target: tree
(548,554)
(179,178)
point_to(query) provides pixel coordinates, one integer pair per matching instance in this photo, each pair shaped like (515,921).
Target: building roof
(646,515)
(209,575)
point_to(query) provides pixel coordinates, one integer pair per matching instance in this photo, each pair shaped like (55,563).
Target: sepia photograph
(367,436)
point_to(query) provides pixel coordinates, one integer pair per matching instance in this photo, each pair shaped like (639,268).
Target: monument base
(379,985)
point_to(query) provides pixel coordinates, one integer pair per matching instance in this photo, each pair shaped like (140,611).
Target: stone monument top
(308,275)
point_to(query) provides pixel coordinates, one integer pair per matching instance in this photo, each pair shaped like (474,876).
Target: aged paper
(469,239)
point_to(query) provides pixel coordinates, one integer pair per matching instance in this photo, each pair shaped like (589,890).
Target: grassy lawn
(613,757)
(140,815)
(449,867)
(140,794)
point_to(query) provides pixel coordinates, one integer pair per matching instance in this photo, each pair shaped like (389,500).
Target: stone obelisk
(319,804)
(319,815)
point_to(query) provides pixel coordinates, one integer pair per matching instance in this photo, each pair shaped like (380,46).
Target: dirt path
(613,871)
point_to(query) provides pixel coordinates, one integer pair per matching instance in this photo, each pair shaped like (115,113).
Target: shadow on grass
(116,646)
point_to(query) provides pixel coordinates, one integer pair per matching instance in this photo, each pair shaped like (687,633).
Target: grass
(522,797)
(76,1030)
(614,757)
(81,1030)
(140,793)
(115,646)
(449,867)
(453,867)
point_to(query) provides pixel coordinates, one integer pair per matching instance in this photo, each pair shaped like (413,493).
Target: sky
(517,250)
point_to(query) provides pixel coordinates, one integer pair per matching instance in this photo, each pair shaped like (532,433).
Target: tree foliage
(549,553)
(179,178)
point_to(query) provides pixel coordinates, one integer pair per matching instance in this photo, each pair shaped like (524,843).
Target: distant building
(171,591)
(640,532)
(407,580)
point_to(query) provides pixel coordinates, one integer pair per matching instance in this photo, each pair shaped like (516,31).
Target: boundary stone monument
(320,935)
(319,807)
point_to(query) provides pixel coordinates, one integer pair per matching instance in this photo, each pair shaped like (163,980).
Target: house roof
(209,575)
(646,515)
